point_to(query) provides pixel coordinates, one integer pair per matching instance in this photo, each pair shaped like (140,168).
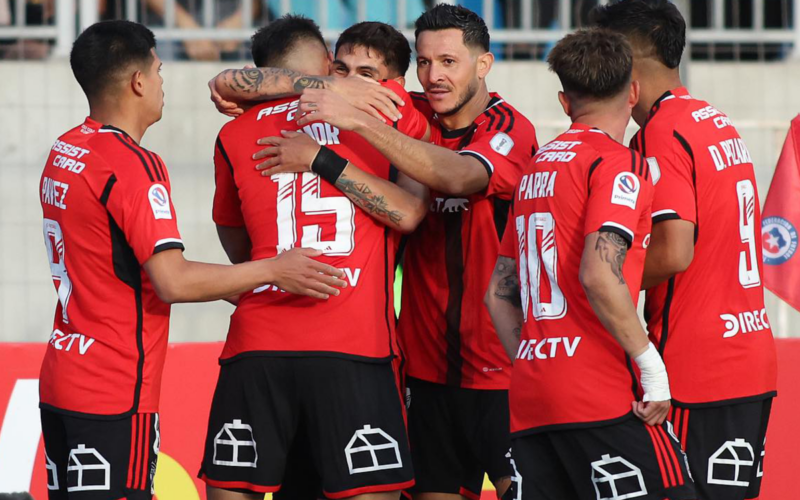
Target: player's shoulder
(421,103)
(501,116)
(131,164)
(277,111)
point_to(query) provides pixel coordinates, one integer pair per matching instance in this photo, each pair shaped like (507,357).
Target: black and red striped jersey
(709,321)
(107,210)
(444,328)
(569,370)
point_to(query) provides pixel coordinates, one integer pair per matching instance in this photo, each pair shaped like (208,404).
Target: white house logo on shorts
(617,479)
(371,450)
(502,143)
(87,470)
(730,465)
(52,473)
(159,202)
(778,239)
(235,446)
(626,190)
(515,490)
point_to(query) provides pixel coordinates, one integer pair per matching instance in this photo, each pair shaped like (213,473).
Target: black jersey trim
(499,112)
(492,118)
(107,189)
(621,232)
(665,316)
(511,117)
(633,161)
(459,132)
(634,380)
(488,166)
(572,426)
(388,305)
(418,96)
(725,402)
(161,166)
(653,111)
(685,145)
(501,210)
(137,153)
(149,156)
(305,354)
(88,416)
(667,216)
(226,157)
(169,246)
(454,265)
(592,168)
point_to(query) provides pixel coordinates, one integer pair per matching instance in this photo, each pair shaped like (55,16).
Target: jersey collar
(453,134)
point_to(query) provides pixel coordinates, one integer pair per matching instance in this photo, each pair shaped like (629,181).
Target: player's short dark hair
(593,63)
(382,38)
(105,50)
(446,16)
(273,42)
(654,25)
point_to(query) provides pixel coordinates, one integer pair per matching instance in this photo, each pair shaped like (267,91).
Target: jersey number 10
(536,255)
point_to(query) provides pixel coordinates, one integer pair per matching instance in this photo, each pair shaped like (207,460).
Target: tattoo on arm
(612,248)
(508,287)
(361,194)
(270,83)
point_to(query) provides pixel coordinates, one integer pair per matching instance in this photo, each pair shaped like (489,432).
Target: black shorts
(725,446)
(457,435)
(349,412)
(620,461)
(100,459)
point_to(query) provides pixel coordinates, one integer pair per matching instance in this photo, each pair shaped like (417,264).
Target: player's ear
(564,100)
(137,83)
(633,97)
(485,62)
(401,80)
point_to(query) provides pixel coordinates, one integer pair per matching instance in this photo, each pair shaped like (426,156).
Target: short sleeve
(508,244)
(413,122)
(620,192)
(227,208)
(504,143)
(671,163)
(145,214)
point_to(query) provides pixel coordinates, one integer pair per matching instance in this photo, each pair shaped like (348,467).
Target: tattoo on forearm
(508,283)
(517,332)
(612,248)
(361,194)
(270,83)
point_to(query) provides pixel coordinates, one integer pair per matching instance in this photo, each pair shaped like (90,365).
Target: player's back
(302,210)
(107,209)
(713,313)
(569,369)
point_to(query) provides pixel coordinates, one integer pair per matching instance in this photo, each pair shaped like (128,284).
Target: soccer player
(566,283)
(115,255)
(293,372)
(705,297)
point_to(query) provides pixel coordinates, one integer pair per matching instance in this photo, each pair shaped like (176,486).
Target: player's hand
(227,108)
(325,106)
(293,152)
(651,412)
(368,96)
(297,272)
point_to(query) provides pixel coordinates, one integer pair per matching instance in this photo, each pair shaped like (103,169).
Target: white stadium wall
(40,100)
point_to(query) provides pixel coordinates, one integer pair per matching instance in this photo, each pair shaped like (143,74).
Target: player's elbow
(169,292)
(593,280)
(416,214)
(679,260)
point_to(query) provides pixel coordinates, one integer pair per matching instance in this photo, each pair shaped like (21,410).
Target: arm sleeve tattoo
(508,283)
(270,83)
(612,248)
(361,195)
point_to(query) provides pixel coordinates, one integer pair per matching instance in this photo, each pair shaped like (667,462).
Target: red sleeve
(508,245)
(504,143)
(413,123)
(670,160)
(227,209)
(618,195)
(143,210)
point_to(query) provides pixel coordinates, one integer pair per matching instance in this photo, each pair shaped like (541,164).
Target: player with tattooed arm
(563,299)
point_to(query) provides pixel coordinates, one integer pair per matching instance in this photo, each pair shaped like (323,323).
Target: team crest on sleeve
(626,190)
(778,239)
(655,170)
(502,143)
(159,202)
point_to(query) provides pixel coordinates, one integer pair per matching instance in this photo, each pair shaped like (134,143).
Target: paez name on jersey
(54,193)
(547,348)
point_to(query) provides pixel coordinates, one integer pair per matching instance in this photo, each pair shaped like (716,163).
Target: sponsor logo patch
(159,202)
(626,190)
(502,143)
(778,239)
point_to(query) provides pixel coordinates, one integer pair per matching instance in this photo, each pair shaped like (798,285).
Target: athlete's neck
(119,115)
(469,112)
(655,80)
(611,121)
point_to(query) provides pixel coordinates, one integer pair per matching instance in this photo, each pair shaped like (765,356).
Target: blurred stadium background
(743,56)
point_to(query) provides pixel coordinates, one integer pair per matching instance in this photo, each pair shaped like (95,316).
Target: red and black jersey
(107,210)
(445,330)
(709,322)
(569,370)
(302,210)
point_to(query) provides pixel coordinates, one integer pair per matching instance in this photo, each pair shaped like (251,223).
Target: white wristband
(655,382)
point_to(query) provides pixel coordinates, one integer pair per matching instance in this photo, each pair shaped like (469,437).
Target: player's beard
(463,99)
